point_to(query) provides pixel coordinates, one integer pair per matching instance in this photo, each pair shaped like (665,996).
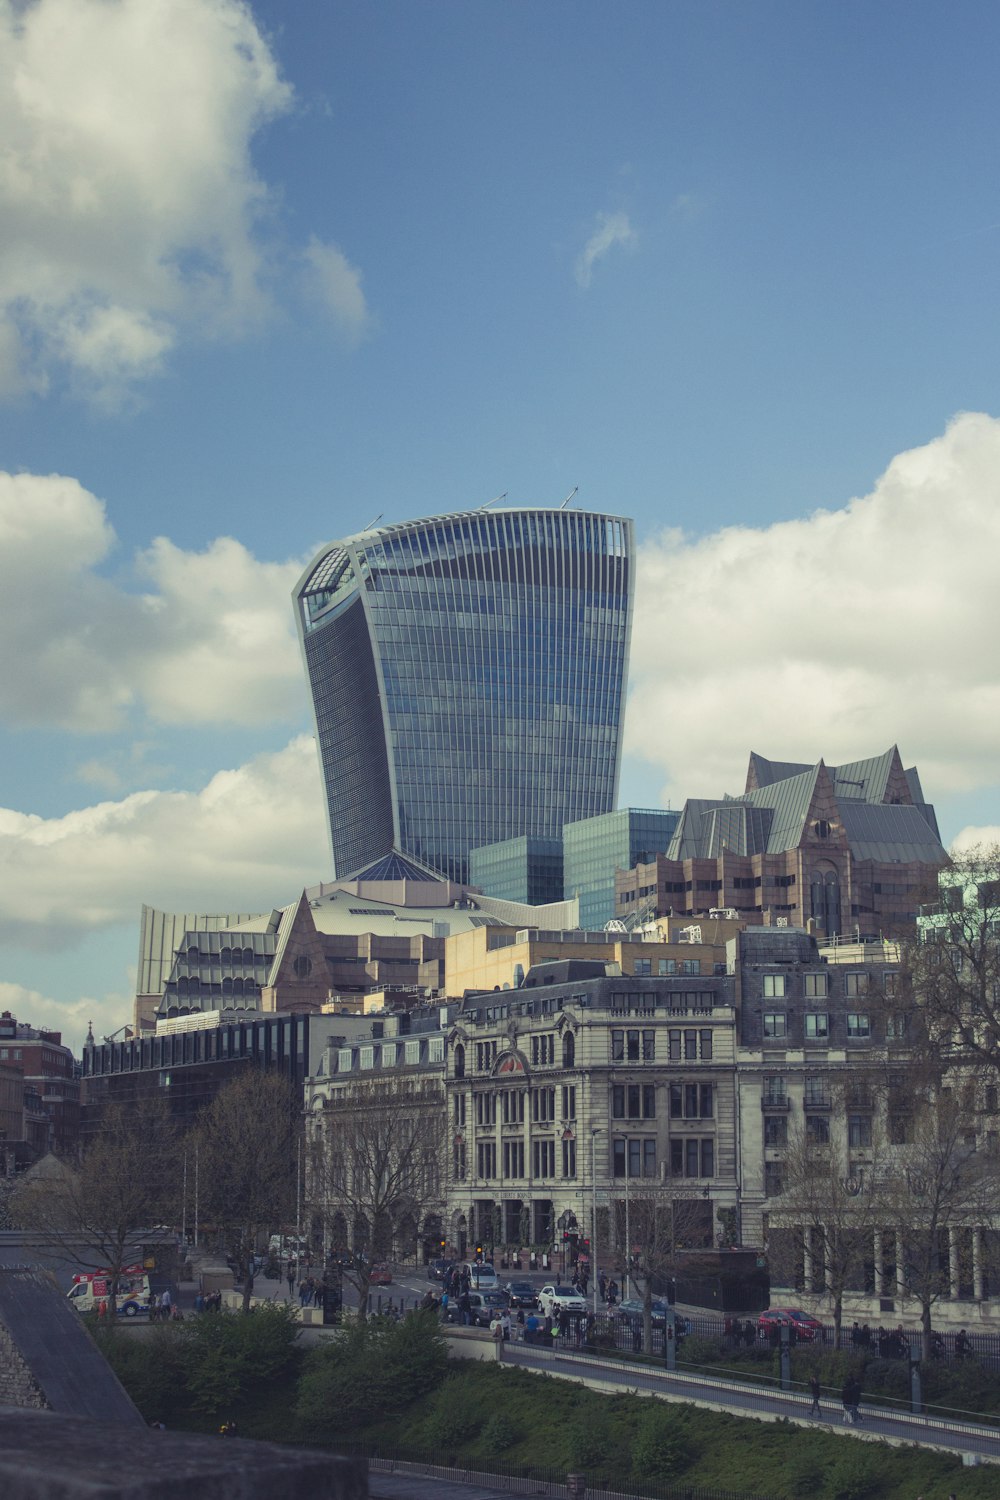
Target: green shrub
(855,1476)
(662,1450)
(498,1436)
(456,1416)
(226,1354)
(375,1367)
(588,1439)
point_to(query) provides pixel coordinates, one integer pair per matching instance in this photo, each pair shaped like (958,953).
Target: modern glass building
(522,869)
(468,679)
(595,848)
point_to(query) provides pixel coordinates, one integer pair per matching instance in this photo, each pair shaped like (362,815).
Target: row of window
(817,986)
(682,1046)
(634,1156)
(816,1025)
(390,1054)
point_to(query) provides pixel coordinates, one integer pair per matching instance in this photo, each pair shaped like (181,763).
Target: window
(486,1056)
(775,1024)
(775,1130)
(665,966)
(367,1057)
(858,1024)
(569,1101)
(772,1179)
(855,984)
(706,1045)
(513,1158)
(774,1093)
(990,1101)
(859,1130)
(569,1158)
(817,1093)
(692,1157)
(459,1161)
(543,1050)
(486,1159)
(705,1110)
(543,1104)
(459,1061)
(632,1046)
(774,986)
(618,1046)
(648,1046)
(890,984)
(817,986)
(642,966)
(569,1050)
(690,1046)
(486,1109)
(435,1049)
(817,1130)
(389,1054)
(459,1110)
(895,1027)
(344,1056)
(512,1106)
(817,1026)
(544,1158)
(690,965)
(634,1156)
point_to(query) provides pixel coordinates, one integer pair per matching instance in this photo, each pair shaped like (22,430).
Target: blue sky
(267,272)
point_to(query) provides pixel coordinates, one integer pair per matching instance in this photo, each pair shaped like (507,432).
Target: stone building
(579,1087)
(840,849)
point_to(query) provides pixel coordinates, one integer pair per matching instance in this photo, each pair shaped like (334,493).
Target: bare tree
(375,1162)
(662,1226)
(247,1142)
(941,1190)
(94,1214)
(822,1224)
(950,973)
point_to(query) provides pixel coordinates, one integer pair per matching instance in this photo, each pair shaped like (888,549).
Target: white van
(482,1276)
(286,1246)
(92,1289)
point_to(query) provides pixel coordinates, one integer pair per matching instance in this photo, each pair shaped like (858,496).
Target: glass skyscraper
(468,680)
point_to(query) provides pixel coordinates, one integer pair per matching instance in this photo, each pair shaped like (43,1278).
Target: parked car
(631,1311)
(556,1299)
(483,1306)
(522,1294)
(381,1275)
(807,1328)
(439,1270)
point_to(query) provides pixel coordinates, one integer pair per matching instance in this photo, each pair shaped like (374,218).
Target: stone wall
(18,1386)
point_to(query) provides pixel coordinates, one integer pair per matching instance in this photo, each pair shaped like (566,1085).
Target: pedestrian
(846,1393)
(505,1325)
(602,1286)
(165,1304)
(465,1308)
(855,1399)
(445,1306)
(814,1391)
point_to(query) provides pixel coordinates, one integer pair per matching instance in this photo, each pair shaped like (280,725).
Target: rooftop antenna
(375,522)
(569,497)
(494,501)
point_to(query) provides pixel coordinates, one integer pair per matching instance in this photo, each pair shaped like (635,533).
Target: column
(879,1264)
(807,1258)
(900,1243)
(953,1262)
(977,1263)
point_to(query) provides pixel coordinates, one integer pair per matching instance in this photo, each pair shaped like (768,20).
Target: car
(439,1270)
(556,1299)
(522,1294)
(632,1311)
(482,1276)
(484,1305)
(380,1275)
(807,1328)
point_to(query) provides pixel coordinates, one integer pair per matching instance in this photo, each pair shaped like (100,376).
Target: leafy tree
(375,1160)
(226,1354)
(246,1141)
(373,1366)
(657,1233)
(125,1184)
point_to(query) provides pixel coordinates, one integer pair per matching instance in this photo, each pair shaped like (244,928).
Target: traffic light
(443,1243)
(479,1249)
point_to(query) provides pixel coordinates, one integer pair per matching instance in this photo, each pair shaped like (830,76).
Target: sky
(268,272)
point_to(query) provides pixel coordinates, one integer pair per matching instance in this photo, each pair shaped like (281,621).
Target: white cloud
(337,285)
(611,230)
(250,839)
(972,837)
(129,202)
(835,636)
(70,1018)
(210,639)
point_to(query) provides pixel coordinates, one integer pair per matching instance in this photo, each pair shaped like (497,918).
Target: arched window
(237,986)
(193,955)
(248,955)
(227,985)
(569,1050)
(459,1061)
(182,986)
(226,956)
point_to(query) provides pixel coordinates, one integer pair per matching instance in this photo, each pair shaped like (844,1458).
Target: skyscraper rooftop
(468,679)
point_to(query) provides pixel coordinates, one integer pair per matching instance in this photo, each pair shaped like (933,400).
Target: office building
(468,680)
(520,869)
(595,848)
(845,849)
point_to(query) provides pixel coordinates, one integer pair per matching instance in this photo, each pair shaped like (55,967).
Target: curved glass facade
(468,679)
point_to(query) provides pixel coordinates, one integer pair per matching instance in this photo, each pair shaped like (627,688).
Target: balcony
(776,1102)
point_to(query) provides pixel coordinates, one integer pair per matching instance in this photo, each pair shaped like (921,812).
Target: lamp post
(595,1131)
(628,1226)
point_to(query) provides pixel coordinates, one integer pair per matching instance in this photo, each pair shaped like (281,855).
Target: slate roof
(72,1373)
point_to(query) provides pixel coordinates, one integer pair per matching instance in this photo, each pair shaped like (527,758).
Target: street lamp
(628,1228)
(595,1131)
